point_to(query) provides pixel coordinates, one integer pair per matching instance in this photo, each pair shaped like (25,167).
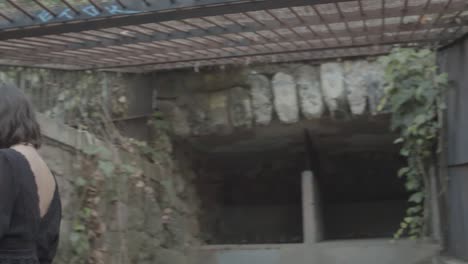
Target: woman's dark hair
(18,122)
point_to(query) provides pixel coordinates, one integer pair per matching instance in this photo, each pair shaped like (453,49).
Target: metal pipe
(45,8)
(18,7)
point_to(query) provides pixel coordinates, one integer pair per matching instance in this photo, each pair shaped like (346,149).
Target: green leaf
(442,106)
(91,150)
(382,104)
(403,171)
(104,153)
(404,152)
(87,212)
(107,168)
(417,197)
(158,114)
(75,237)
(414,210)
(129,168)
(79,227)
(80,181)
(398,140)
(412,184)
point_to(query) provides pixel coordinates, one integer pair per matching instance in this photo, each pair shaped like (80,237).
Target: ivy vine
(92,106)
(103,174)
(414,96)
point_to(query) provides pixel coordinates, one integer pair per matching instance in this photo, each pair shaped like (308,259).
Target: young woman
(30,209)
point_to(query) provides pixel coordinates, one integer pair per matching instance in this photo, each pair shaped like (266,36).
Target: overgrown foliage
(91,104)
(92,107)
(101,184)
(106,179)
(414,97)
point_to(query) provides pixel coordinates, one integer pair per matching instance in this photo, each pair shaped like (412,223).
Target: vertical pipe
(436,222)
(312,227)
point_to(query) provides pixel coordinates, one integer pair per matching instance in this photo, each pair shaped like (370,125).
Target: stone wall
(57,93)
(212,101)
(225,101)
(157,228)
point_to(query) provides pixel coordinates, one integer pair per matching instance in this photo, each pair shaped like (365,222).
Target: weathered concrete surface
(333,85)
(310,92)
(285,98)
(240,107)
(356,84)
(198,110)
(375,86)
(278,94)
(179,118)
(219,112)
(445,260)
(57,93)
(135,226)
(211,101)
(339,252)
(262,98)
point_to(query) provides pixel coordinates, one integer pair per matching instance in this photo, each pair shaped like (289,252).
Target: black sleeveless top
(25,238)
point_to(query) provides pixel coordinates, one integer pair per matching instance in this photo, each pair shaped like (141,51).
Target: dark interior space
(250,186)
(361,195)
(251,198)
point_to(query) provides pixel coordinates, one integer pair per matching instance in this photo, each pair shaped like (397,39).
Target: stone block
(285,98)
(333,88)
(179,122)
(356,85)
(141,246)
(153,222)
(240,107)
(310,91)
(177,116)
(262,98)
(218,107)
(167,256)
(375,85)
(198,113)
(118,217)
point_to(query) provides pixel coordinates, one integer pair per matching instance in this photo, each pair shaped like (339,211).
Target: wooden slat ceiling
(146,35)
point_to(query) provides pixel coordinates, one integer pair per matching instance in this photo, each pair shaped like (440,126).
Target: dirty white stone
(198,113)
(240,107)
(219,116)
(333,88)
(356,85)
(285,98)
(262,98)
(310,93)
(180,123)
(179,117)
(375,85)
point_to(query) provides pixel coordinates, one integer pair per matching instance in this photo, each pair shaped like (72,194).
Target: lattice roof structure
(169,34)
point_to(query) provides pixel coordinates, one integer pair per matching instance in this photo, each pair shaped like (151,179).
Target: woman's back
(30,209)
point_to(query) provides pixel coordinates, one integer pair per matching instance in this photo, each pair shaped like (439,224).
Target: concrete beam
(58,132)
(446,260)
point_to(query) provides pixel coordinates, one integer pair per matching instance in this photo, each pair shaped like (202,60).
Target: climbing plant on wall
(106,176)
(414,97)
